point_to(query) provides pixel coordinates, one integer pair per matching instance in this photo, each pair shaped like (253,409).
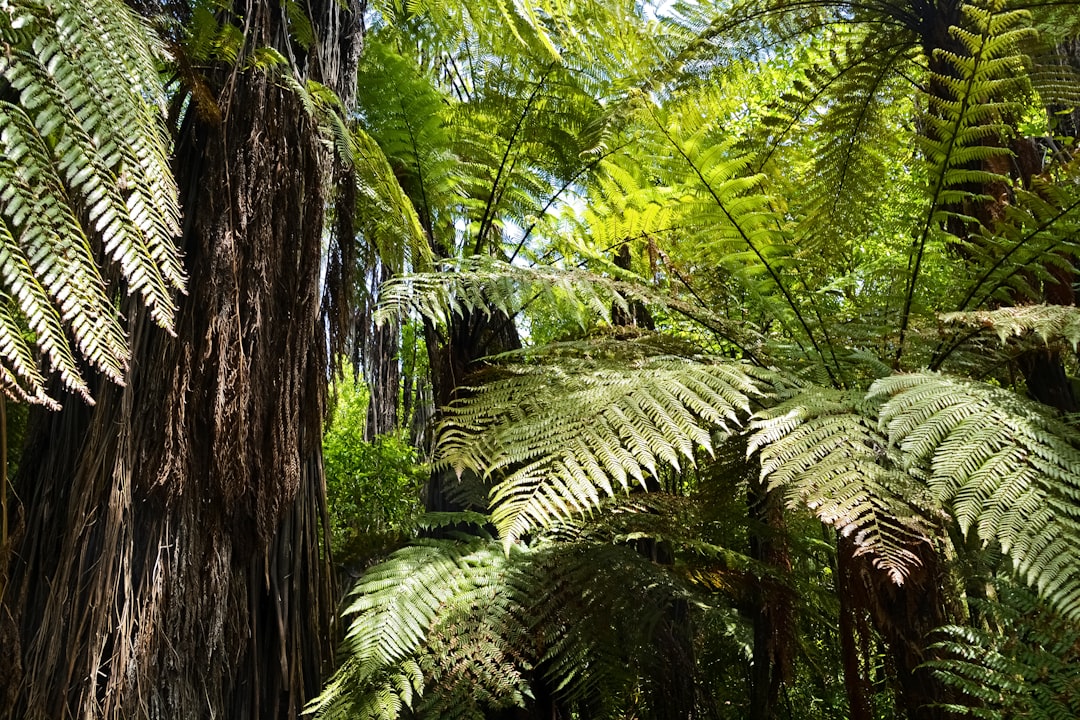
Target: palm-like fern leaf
(460,628)
(964,126)
(1051,324)
(84,169)
(558,440)
(824,449)
(1026,669)
(1003,465)
(482,285)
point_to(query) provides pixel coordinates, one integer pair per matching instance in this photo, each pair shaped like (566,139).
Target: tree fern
(85,170)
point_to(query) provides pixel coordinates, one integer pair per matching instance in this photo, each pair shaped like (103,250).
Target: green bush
(373,488)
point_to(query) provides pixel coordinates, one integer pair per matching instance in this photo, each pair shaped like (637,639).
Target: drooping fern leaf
(1051,324)
(83,170)
(458,629)
(1026,667)
(482,285)
(1000,464)
(823,447)
(556,440)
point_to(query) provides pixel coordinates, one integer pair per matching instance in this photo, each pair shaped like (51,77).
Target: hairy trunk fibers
(379,357)
(773,607)
(905,616)
(853,629)
(171,565)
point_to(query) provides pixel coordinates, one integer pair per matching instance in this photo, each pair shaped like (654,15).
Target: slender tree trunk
(171,564)
(773,606)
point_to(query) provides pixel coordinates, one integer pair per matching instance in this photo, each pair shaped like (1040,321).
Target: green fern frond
(975,89)
(1026,669)
(1052,324)
(823,447)
(1003,465)
(482,285)
(558,440)
(459,629)
(85,169)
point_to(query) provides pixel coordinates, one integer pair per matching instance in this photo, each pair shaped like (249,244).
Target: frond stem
(749,243)
(488,217)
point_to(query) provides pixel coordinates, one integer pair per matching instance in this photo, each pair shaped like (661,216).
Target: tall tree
(169,561)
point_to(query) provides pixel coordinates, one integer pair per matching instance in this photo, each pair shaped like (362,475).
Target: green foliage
(456,628)
(1026,667)
(84,173)
(559,439)
(1002,465)
(373,488)
(817,247)
(825,449)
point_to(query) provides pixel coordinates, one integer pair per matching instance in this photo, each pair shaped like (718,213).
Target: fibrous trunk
(171,562)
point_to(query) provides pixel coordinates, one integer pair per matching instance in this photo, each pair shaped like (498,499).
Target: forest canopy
(739,339)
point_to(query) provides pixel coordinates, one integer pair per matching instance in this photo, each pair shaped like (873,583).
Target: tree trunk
(905,616)
(773,605)
(171,564)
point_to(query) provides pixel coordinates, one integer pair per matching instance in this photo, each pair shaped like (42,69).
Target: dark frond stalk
(488,216)
(772,271)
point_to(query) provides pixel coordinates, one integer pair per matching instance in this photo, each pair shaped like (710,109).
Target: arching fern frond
(556,440)
(1003,465)
(1051,324)
(482,285)
(407,606)
(84,170)
(964,130)
(460,629)
(823,447)
(1026,669)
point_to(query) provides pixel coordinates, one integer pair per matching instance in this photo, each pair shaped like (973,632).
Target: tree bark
(171,562)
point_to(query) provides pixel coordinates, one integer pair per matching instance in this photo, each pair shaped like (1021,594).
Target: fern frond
(824,449)
(1052,324)
(964,127)
(1027,669)
(85,166)
(1003,465)
(557,440)
(482,285)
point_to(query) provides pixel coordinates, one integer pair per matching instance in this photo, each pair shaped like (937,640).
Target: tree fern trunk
(171,564)
(905,616)
(773,607)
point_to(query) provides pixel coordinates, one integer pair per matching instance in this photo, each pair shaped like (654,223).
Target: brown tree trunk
(171,564)
(773,604)
(905,616)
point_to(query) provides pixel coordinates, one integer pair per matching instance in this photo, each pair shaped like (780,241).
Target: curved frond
(1052,324)
(557,440)
(1003,465)
(823,447)
(1026,669)
(84,169)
